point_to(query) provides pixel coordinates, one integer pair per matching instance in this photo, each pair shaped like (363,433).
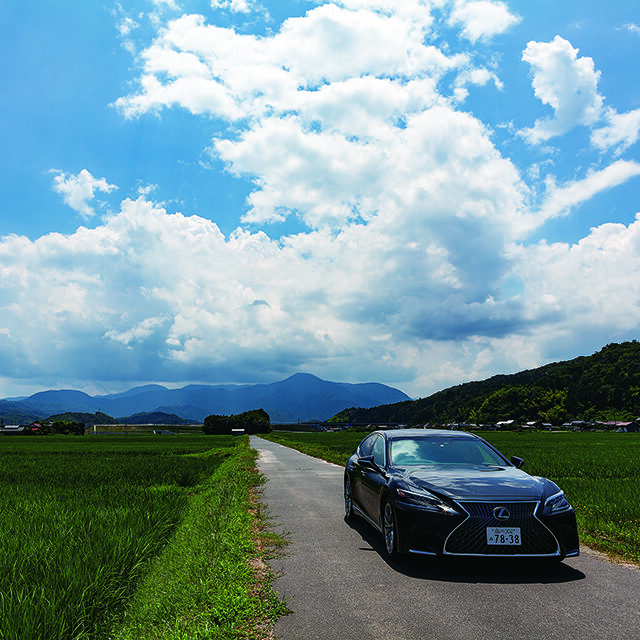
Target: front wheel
(348,500)
(390,529)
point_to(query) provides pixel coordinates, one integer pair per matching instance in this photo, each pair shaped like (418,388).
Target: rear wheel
(348,500)
(390,529)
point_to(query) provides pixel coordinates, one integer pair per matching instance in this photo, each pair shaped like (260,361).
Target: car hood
(464,482)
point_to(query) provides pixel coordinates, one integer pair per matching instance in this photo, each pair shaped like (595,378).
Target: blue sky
(419,193)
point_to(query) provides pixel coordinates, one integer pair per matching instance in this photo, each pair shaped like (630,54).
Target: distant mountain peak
(300,397)
(301,375)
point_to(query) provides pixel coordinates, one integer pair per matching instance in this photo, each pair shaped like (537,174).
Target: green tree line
(254,421)
(68,428)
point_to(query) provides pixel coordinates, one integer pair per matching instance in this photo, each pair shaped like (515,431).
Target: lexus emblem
(500,513)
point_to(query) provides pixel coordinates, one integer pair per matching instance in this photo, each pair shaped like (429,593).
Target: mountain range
(301,397)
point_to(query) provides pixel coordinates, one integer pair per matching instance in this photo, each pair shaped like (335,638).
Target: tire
(390,529)
(348,500)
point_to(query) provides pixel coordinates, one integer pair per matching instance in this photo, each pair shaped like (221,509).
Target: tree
(252,422)
(216,425)
(62,427)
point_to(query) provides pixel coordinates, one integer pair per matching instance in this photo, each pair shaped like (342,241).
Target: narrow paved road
(339,585)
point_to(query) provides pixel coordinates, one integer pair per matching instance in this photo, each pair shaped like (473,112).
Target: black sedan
(451,493)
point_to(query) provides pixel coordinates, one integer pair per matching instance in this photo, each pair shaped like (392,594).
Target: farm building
(14,430)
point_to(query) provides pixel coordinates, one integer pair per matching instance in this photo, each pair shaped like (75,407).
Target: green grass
(334,447)
(83,520)
(599,472)
(204,584)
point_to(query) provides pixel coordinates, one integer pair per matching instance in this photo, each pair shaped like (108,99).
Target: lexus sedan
(450,493)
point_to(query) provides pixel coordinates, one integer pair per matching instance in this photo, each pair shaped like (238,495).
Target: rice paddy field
(140,536)
(135,536)
(599,472)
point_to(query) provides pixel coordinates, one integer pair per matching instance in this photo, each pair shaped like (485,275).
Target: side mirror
(517,462)
(368,463)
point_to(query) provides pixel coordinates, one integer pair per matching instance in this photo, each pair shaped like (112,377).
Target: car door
(358,474)
(373,480)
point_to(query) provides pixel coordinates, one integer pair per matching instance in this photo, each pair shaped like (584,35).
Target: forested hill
(604,386)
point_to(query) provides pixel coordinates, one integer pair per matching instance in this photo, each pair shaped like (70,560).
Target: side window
(366,446)
(378,451)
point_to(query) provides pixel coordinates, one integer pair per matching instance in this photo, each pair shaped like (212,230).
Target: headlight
(425,501)
(557,503)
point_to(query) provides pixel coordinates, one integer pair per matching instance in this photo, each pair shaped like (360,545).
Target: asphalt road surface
(335,578)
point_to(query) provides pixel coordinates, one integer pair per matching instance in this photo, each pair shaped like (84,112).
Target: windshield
(442,450)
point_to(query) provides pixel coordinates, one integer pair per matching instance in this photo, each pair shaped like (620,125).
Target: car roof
(424,433)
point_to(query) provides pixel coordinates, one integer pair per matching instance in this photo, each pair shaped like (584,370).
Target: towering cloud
(407,252)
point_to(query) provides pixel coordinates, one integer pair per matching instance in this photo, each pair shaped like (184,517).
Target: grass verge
(212,579)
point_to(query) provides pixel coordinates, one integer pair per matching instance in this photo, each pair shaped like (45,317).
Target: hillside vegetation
(604,386)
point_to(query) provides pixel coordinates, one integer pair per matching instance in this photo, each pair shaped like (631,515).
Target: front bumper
(431,533)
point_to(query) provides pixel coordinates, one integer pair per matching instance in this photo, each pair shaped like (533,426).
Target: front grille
(470,537)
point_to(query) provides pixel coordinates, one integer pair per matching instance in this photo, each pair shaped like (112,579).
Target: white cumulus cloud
(235,6)
(620,133)
(482,19)
(561,199)
(168,297)
(567,83)
(411,249)
(585,292)
(79,190)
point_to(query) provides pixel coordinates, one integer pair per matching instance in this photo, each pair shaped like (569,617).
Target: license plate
(504,535)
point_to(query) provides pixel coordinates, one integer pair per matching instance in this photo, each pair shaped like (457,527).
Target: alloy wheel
(389,529)
(348,501)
